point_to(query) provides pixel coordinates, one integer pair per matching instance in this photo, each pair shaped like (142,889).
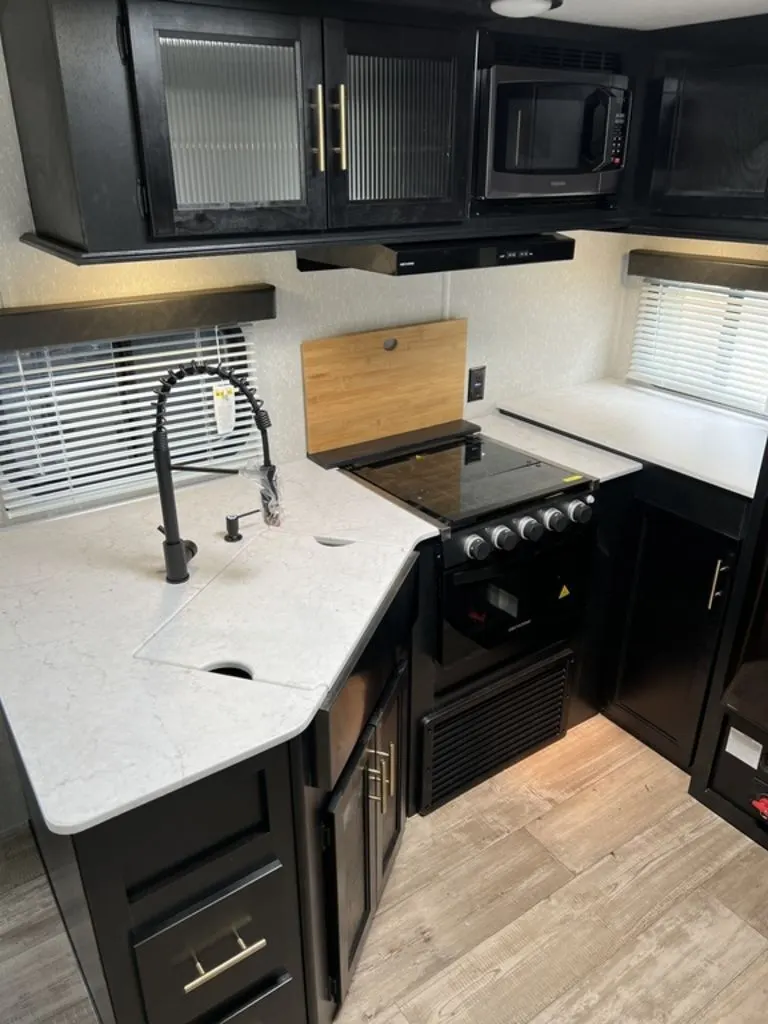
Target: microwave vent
(528,53)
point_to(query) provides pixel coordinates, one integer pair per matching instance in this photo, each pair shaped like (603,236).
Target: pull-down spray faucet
(177,551)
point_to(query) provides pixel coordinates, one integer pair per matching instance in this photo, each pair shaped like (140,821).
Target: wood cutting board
(362,387)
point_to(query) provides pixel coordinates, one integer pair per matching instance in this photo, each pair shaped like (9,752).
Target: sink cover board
(288,609)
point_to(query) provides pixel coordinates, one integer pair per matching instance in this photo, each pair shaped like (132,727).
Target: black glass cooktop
(467,478)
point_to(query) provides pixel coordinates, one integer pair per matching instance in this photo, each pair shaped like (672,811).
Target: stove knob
(476,547)
(552,519)
(503,539)
(578,511)
(529,528)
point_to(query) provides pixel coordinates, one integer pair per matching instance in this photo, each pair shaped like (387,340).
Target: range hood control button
(528,528)
(476,547)
(552,519)
(504,539)
(578,511)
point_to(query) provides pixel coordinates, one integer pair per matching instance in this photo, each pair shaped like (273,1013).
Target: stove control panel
(508,535)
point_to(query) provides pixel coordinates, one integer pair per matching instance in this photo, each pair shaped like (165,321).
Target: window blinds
(704,341)
(76,421)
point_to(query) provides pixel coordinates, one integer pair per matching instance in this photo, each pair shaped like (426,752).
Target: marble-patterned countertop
(553,447)
(721,448)
(103,678)
(101,730)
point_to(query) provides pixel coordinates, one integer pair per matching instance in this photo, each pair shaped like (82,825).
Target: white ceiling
(649,14)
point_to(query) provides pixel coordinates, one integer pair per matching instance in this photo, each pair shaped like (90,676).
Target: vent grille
(530,53)
(485,732)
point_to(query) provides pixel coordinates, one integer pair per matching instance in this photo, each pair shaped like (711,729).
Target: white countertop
(553,447)
(101,730)
(718,447)
(103,681)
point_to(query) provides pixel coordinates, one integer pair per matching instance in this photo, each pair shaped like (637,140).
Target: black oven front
(515,602)
(552,133)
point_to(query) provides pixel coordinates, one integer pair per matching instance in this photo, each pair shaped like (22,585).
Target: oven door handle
(596,152)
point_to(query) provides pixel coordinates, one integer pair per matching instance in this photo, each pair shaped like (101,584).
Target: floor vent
(477,736)
(530,53)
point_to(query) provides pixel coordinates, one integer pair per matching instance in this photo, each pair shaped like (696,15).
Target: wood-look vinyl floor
(582,886)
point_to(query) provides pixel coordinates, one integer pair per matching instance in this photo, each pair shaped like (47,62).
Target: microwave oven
(551,133)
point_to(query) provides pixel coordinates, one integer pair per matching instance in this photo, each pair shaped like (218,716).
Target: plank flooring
(582,886)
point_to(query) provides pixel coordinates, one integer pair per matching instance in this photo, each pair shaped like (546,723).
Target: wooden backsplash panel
(357,388)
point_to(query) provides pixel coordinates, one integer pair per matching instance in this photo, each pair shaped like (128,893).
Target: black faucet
(177,551)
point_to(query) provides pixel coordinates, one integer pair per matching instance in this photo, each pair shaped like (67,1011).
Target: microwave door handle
(596,153)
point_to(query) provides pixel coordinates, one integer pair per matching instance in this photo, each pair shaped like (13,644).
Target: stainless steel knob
(578,511)
(528,528)
(552,519)
(504,539)
(476,547)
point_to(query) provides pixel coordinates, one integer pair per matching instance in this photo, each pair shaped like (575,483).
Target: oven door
(522,603)
(551,134)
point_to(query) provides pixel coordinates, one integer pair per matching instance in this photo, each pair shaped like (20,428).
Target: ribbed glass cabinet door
(398,122)
(229,109)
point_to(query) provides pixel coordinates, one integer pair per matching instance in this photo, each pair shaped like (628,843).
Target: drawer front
(280,1002)
(227,947)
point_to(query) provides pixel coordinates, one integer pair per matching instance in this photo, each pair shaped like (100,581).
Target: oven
(518,602)
(551,133)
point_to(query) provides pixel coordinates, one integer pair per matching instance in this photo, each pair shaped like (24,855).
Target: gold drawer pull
(203,976)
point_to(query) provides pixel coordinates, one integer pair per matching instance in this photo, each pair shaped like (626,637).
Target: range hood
(410,258)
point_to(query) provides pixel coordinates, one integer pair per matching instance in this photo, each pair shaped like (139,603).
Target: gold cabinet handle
(392,769)
(319,108)
(203,976)
(714,593)
(342,148)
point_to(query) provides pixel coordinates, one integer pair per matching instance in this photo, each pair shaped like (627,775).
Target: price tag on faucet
(224,408)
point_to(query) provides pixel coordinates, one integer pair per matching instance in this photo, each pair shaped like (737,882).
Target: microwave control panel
(618,133)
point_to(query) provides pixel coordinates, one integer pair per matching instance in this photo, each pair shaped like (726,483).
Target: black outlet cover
(476,389)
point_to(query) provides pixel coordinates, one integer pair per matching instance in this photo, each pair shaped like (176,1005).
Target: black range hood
(410,258)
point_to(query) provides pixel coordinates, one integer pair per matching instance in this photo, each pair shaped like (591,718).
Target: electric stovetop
(466,478)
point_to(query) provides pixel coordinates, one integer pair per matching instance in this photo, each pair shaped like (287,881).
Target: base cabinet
(675,595)
(362,828)
(187,910)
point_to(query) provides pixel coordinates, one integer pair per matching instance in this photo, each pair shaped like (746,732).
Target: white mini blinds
(704,341)
(76,421)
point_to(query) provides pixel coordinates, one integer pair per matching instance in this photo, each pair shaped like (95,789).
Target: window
(704,341)
(76,422)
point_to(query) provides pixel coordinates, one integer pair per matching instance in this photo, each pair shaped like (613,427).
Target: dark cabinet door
(351,836)
(390,753)
(677,605)
(230,107)
(399,123)
(712,157)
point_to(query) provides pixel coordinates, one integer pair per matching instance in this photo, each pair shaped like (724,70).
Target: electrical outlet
(476,389)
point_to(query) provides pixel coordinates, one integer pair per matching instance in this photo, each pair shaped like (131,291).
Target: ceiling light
(524,8)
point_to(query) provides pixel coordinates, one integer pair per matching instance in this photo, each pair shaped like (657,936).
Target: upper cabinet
(160,127)
(230,112)
(712,153)
(244,129)
(400,103)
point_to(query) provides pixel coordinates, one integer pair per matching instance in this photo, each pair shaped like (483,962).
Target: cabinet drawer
(280,1002)
(234,943)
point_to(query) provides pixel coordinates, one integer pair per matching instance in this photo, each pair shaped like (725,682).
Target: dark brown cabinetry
(362,829)
(187,909)
(230,116)
(399,117)
(712,157)
(244,131)
(673,544)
